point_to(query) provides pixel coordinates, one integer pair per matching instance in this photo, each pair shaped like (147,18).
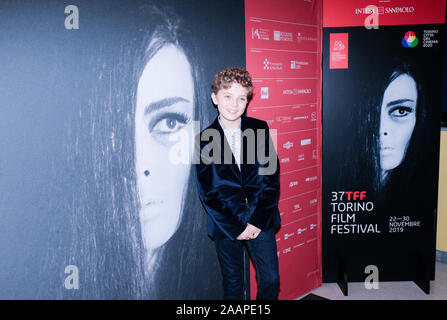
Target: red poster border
(289,48)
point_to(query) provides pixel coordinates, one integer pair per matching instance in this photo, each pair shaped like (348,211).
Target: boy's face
(231,104)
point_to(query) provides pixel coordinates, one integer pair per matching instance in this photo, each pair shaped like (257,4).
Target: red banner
(283,48)
(358,13)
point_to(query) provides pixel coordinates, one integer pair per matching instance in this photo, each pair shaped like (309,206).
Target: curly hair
(226,77)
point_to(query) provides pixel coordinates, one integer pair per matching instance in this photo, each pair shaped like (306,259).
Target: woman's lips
(150,210)
(153,202)
(386,150)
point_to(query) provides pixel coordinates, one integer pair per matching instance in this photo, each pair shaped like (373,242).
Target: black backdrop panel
(380,153)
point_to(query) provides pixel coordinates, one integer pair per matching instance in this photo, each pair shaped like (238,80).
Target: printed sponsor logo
(306,142)
(266,64)
(287,145)
(296,91)
(293,183)
(399,10)
(409,40)
(310,179)
(429,39)
(300,38)
(264,92)
(288,235)
(298,64)
(338,46)
(282,36)
(260,34)
(269,65)
(384,10)
(369,10)
(284,118)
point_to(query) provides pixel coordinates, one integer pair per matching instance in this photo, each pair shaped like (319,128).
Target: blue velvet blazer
(225,190)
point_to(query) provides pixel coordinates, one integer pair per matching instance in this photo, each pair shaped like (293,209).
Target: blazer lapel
(243,145)
(226,146)
(249,163)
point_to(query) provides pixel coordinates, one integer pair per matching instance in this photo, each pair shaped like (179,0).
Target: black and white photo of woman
(122,92)
(388,105)
(143,235)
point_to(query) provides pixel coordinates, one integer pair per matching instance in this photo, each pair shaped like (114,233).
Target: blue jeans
(263,254)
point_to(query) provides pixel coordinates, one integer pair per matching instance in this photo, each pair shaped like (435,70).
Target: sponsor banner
(288,118)
(284,92)
(264,63)
(278,35)
(292,209)
(360,13)
(283,52)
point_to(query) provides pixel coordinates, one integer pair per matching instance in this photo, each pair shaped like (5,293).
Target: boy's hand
(250,232)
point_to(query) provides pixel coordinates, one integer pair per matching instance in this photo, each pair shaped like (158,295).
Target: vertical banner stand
(342,276)
(397,237)
(422,274)
(422,279)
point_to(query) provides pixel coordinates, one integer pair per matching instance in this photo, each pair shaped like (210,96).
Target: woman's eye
(400,112)
(168,123)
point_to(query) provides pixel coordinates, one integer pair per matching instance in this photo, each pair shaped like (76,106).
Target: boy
(238,185)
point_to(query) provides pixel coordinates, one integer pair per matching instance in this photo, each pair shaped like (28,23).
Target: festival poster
(382,99)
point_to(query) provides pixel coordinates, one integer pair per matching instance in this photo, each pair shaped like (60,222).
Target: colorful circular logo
(410,40)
